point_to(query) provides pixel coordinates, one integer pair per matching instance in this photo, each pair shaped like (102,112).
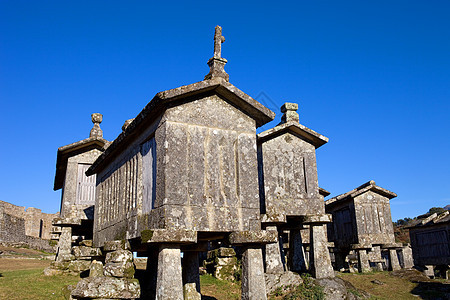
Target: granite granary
(362,225)
(184,172)
(431,244)
(73,228)
(290,197)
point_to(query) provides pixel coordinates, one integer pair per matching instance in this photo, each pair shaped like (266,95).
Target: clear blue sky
(374,77)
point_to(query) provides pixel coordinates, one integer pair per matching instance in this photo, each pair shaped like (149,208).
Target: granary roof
(324,192)
(290,123)
(216,82)
(368,186)
(94,141)
(431,220)
(162,100)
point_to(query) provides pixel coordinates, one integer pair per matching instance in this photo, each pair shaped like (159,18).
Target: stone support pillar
(429,271)
(378,259)
(319,257)
(274,263)
(394,265)
(363,261)
(191,276)
(169,283)
(65,244)
(408,261)
(253,280)
(297,259)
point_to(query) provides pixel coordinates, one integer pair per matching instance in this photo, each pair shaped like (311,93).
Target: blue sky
(374,77)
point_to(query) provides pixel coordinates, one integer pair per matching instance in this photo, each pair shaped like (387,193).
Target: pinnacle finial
(217,62)
(96,130)
(289,111)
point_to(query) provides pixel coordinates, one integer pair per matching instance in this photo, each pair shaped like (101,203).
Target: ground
(21,277)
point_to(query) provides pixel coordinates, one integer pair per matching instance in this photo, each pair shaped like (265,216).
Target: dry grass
(404,285)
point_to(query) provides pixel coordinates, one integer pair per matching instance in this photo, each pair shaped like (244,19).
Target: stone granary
(290,196)
(362,223)
(430,243)
(75,222)
(184,172)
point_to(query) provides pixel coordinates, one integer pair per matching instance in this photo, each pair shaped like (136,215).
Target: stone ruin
(20,226)
(73,228)
(362,230)
(430,244)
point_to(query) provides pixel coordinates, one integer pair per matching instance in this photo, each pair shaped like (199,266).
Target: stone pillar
(253,280)
(65,244)
(297,259)
(363,261)
(169,282)
(429,271)
(408,261)
(378,259)
(394,265)
(319,257)
(274,264)
(191,276)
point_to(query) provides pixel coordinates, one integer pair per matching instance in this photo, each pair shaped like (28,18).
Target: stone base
(107,288)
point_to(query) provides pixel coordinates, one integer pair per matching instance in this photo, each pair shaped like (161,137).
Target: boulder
(107,288)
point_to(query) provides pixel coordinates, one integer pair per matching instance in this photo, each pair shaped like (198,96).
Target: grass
(212,288)
(32,284)
(395,287)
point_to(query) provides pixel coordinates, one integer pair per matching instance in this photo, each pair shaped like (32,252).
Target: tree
(438,210)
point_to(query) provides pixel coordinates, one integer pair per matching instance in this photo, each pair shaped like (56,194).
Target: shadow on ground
(432,290)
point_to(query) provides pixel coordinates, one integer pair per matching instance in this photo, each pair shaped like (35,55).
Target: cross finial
(217,62)
(96,131)
(218,40)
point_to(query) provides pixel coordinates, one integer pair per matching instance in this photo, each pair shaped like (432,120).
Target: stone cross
(218,40)
(96,131)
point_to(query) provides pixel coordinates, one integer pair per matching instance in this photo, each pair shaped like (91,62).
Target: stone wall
(28,226)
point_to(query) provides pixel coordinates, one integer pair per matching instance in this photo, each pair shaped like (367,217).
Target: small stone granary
(431,243)
(290,196)
(362,223)
(184,172)
(75,222)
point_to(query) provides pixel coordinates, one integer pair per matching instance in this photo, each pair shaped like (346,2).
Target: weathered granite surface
(107,288)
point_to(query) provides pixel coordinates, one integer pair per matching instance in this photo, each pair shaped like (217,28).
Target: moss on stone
(146,235)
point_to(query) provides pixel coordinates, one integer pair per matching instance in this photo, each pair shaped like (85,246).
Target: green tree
(438,210)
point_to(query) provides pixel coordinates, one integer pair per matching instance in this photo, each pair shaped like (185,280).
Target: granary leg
(319,256)
(393,260)
(191,276)
(378,260)
(274,264)
(297,259)
(65,244)
(408,261)
(429,271)
(169,283)
(363,261)
(253,280)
